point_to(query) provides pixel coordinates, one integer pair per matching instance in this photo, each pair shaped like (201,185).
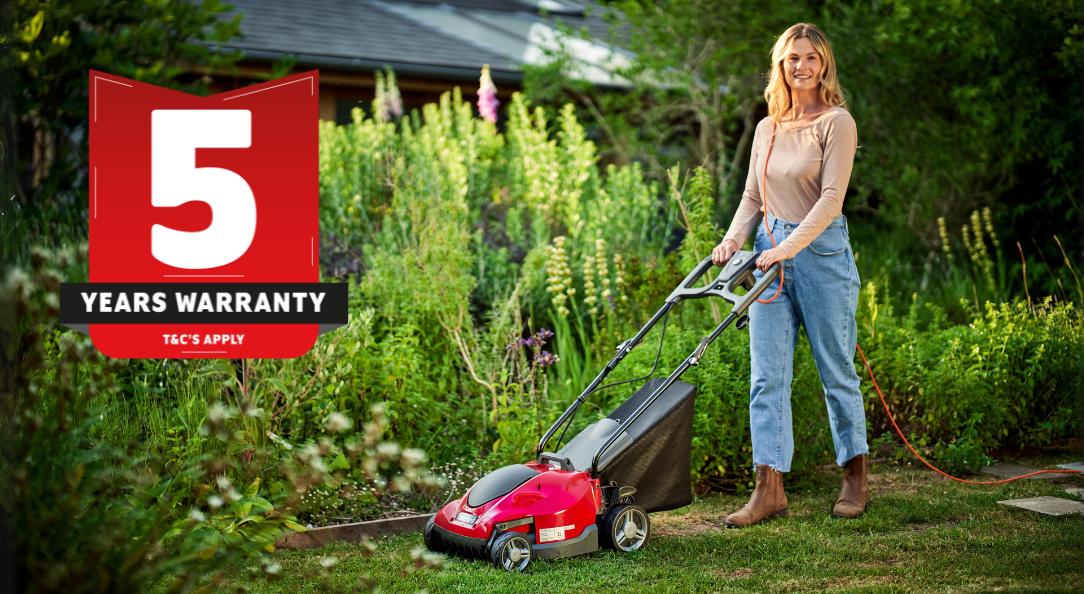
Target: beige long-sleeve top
(807,178)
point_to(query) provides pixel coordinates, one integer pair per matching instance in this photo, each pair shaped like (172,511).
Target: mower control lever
(742,323)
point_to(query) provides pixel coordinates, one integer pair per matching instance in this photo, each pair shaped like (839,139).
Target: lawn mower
(600,487)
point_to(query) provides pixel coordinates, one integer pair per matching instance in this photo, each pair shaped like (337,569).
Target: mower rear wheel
(433,541)
(511,551)
(626,528)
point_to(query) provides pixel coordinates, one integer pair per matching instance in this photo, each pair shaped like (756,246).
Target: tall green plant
(695,205)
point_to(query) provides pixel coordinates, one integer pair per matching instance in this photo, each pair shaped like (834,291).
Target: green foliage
(694,85)
(405,198)
(248,522)
(959,105)
(696,210)
(1012,375)
(700,234)
(172,44)
(559,285)
(73,505)
(89,511)
(350,501)
(1000,80)
(524,410)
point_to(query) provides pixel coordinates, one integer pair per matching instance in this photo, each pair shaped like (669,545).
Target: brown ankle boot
(855,491)
(768,500)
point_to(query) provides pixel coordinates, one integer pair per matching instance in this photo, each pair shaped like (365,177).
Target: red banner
(186,189)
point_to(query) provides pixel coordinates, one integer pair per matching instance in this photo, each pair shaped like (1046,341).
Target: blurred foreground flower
(338,423)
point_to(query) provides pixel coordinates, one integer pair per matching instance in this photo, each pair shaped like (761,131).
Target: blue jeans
(820,293)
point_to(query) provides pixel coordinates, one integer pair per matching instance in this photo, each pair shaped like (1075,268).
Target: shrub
(90,514)
(74,506)
(1011,376)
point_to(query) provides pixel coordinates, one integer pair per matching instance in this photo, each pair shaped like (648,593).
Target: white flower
(338,423)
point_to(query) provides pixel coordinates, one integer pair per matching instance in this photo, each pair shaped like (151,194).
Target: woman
(811,140)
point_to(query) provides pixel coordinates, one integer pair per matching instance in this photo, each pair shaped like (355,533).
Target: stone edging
(318,537)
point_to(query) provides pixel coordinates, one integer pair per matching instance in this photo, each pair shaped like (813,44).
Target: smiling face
(802,65)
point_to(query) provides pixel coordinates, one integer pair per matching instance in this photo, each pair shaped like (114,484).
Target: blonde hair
(777,93)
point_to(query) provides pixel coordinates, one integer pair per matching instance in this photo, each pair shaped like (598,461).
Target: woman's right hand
(724,252)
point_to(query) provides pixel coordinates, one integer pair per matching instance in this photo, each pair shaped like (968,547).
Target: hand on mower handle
(724,252)
(769,257)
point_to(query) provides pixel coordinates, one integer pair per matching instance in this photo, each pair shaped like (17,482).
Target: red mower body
(555,510)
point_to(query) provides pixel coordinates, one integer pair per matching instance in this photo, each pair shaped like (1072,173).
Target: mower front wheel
(433,541)
(511,551)
(626,528)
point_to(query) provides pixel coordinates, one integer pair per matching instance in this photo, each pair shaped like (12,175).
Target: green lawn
(920,533)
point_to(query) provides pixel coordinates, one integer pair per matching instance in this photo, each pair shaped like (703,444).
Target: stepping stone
(1051,506)
(1074,490)
(1004,471)
(1074,466)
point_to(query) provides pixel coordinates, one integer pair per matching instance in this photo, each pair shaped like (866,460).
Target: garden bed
(353,533)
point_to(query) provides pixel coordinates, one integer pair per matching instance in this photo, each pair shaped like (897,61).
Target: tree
(175,44)
(963,105)
(696,85)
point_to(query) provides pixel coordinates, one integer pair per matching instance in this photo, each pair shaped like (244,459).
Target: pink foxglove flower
(487,96)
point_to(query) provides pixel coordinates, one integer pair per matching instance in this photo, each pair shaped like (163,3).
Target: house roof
(439,38)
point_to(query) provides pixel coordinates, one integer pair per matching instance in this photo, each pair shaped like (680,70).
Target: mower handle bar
(738,272)
(738,276)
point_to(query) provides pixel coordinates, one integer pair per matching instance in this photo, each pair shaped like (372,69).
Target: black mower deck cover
(653,455)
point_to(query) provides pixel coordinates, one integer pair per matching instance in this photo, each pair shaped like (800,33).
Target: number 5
(175,136)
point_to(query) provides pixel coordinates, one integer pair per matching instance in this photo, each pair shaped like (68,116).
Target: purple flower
(545,359)
(536,341)
(521,342)
(610,298)
(487,96)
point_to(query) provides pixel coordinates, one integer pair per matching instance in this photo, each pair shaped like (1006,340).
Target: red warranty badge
(204,225)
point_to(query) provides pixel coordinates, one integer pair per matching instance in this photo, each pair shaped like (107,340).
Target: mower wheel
(433,541)
(626,528)
(511,551)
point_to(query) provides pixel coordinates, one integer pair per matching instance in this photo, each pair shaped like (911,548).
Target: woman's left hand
(769,257)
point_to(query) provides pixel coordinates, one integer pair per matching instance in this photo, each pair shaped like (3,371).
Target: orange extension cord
(764,200)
